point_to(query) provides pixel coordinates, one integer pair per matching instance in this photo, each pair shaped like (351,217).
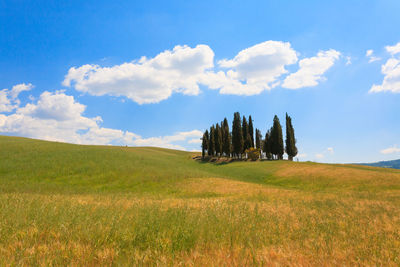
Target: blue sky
(75,71)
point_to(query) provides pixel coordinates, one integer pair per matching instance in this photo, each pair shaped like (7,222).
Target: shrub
(253,153)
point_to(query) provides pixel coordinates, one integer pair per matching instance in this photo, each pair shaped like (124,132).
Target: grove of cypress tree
(237,135)
(211,144)
(291,148)
(251,131)
(204,144)
(227,138)
(277,139)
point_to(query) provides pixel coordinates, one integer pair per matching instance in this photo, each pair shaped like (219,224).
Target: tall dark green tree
(247,141)
(218,140)
(267,145)
(211,144)
(291,148)
(227,138)
(277,139)
(245,131)
(237,135)
(251,131)
(204,144)
(258,139)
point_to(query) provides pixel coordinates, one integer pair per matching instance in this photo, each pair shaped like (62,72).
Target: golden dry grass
(102,206)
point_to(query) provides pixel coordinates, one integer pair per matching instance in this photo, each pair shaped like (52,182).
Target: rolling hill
(395,164)
(64,204)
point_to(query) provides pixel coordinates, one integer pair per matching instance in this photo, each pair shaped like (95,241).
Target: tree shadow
(220,160)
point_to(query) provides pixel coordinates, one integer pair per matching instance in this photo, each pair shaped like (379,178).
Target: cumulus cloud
(59,117)
(391,72)
(393,50)
(9,98)
(311,70)
(147,80)
(181,70)
(253,69)
(371,57)
(391,150)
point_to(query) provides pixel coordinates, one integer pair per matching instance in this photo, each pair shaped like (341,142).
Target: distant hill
(395,164)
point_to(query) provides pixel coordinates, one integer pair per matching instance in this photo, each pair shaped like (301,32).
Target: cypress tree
(227,138)
(211,144)
(277,139)
(291,148)
(222,137)
(237,135)
(245,131)
(267,145)
(248,141)
(218,140)
(204,144)
(258,139)
(251,131)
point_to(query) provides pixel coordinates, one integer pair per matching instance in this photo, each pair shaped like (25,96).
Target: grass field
(63,204)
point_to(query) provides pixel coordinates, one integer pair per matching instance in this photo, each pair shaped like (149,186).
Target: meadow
(63,204)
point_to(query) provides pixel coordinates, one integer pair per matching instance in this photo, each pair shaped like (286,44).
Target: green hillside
(63,204)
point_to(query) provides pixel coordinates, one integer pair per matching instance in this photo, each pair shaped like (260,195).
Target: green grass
(63,204)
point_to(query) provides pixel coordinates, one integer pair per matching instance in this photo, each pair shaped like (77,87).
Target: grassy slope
(89,205)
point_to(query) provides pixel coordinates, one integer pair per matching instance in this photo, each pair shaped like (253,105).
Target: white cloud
(348,61)
(166,141)
(391,80)
(311,70)
(372,58)
(9,100)
(195,141)
(301,155)
(58,117)
(391,150)
(147,80)
(391,72)
(253,69)
(181,70)
(17,89)
(328,151)
(395,49)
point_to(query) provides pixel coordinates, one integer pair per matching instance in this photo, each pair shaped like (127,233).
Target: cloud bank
(59,117)
(183,69)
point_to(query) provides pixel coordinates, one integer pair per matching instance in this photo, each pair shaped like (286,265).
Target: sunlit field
(63,204)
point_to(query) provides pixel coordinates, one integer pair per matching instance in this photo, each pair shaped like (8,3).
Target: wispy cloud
(390,150)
